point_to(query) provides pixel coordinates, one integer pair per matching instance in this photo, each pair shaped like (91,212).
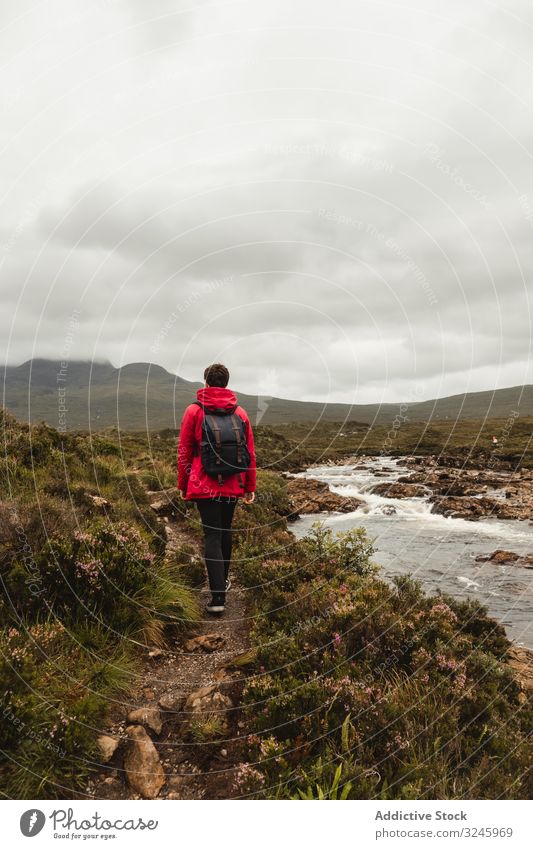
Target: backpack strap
(218,441)
(196,448)
(237,431)
(218,435)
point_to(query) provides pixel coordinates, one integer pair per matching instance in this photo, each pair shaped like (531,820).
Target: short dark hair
(216,375)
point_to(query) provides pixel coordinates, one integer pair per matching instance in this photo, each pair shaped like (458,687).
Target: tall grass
(84,582)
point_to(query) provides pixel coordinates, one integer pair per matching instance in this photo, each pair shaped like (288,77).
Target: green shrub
(56,690)
(96,572)
(108,575)
(433,712)
(158,475)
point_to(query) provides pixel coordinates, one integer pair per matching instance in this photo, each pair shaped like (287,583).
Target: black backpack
(223,449)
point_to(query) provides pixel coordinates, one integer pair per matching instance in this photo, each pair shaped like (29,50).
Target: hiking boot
(228,585)
(216,605)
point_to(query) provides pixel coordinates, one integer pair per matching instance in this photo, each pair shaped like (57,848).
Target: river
(439,551)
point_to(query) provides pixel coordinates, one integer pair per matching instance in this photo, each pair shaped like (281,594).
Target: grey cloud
(337,227)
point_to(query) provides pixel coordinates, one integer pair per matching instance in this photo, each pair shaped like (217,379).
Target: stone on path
(150,717)
(107,746)
(206,642)
(142,765)
(170,701)
(155,653)
(165,502)
(208,702)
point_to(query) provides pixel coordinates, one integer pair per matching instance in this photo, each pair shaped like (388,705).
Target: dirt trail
(192,766)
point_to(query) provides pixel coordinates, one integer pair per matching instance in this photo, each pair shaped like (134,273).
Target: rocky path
(180,736)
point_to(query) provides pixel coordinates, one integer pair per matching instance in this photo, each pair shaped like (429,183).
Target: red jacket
(191,476)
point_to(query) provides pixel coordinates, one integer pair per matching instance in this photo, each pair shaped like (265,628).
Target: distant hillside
(144,396)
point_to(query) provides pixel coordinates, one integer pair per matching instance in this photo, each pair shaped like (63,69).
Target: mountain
(139,396)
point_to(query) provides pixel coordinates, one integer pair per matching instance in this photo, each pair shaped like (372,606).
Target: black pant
(217,515)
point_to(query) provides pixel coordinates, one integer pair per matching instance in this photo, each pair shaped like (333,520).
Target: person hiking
(216,467)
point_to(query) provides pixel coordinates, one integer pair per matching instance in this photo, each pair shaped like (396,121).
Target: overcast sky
(334,198)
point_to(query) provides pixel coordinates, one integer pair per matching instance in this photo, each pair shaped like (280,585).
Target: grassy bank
(84,587)
(470,439)
(360,689)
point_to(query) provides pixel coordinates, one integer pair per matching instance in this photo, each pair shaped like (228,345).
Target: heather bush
(56,690)
(107,574)
(364,688)
(84,581)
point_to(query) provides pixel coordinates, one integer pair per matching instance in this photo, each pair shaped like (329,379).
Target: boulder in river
(502,556)
(521,507)
(399,490)
(461,477)
(458,507)
(498,556)
(311,496)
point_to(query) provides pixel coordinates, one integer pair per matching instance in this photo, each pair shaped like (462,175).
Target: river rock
(526,560)
(498,556)
(399,490)
(206,642)
(502,556)
(464,508)
(312,496)
(520,507)
(150,717)
(463,476)
(142,765)
(458,490)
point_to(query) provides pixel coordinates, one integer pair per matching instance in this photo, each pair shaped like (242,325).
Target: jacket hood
(216,398)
